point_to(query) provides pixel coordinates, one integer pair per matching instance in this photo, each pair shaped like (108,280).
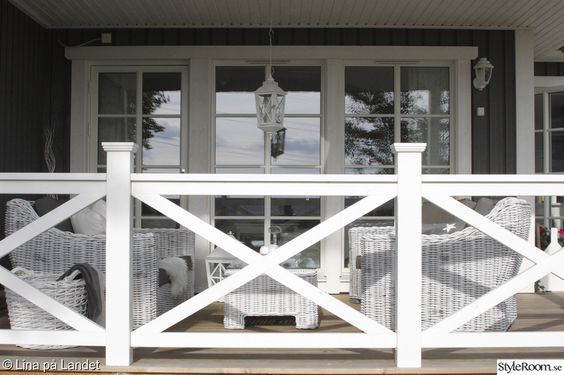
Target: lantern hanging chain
(270,34)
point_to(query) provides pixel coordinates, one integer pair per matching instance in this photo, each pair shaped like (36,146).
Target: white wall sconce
(483,72)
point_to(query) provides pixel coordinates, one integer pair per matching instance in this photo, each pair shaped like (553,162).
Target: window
(387,104)
(549,153)
(380,111)
(240,147)
(145,107)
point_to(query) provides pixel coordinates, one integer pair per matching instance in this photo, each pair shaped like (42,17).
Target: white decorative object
(270,99)
(551,282)
(216,264)
(483,72)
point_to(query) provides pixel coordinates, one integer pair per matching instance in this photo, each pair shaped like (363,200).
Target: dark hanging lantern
(277,143)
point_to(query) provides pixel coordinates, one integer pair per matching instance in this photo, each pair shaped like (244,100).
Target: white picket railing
(408,187)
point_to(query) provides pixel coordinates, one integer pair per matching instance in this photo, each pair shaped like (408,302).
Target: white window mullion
(139,140)
(397,103)
(546,131)
(332,255)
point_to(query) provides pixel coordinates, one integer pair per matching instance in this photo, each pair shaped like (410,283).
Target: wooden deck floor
(536,312)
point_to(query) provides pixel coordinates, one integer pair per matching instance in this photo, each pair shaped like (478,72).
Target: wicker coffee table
(264,296)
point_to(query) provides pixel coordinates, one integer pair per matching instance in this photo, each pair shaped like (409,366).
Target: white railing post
(118,253)
(408,254)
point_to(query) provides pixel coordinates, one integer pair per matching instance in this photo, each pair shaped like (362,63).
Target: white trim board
(379,53)
(548,83)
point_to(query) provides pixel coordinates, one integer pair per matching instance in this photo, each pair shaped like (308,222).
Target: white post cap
(409,147)
(120,146)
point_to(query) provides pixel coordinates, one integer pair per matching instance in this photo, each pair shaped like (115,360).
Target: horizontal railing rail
(408,187)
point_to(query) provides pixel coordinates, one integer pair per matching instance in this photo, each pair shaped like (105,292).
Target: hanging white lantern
(270,100)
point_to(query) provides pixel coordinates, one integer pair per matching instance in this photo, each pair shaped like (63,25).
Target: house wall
(35,80)
(25,83)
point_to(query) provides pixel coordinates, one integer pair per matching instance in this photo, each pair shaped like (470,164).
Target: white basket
(24,315)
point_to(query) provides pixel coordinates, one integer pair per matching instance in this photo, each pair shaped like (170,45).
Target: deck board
(543,312)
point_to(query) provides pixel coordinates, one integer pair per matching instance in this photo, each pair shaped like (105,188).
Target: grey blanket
(94,289)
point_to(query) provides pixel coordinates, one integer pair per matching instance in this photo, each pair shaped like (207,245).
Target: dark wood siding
(25,82)
(549,69)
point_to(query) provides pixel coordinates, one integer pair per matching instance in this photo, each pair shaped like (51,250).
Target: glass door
(387,104)
(549,159)
(145,105)
(240,147)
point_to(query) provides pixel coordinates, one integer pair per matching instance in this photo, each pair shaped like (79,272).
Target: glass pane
(425,90)
(161,170)
(295,206)
(369,170)
(238,142)
(557,143)
(387,209)
(161,93)
(435,171)
(278,170)
(161,141)
(309,258)
(557,110)
(239,170)
(114,130)
(369,90)
(159,223)
(235,88)
(538,111)
(539,153)
(302,85)
(249,232)
(368,141)
(435,132)
(147,210)
(239,206)
(117,93)
(302,142)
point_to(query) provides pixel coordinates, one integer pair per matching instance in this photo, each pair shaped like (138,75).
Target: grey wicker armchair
(54,251)
(458,268)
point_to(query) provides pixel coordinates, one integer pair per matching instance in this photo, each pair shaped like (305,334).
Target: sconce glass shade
(483,72)
(270,100)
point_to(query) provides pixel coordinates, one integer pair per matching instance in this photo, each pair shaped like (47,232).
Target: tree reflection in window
(152,100)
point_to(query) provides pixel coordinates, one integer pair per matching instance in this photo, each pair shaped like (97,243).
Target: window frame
(139,70)
(545,86)
(398,116)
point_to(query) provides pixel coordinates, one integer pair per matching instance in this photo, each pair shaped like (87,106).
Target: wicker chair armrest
(171,242)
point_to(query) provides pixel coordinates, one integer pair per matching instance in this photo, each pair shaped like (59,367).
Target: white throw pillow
(90,220)
(441,228)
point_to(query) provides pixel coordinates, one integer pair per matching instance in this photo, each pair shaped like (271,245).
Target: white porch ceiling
(544,17)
